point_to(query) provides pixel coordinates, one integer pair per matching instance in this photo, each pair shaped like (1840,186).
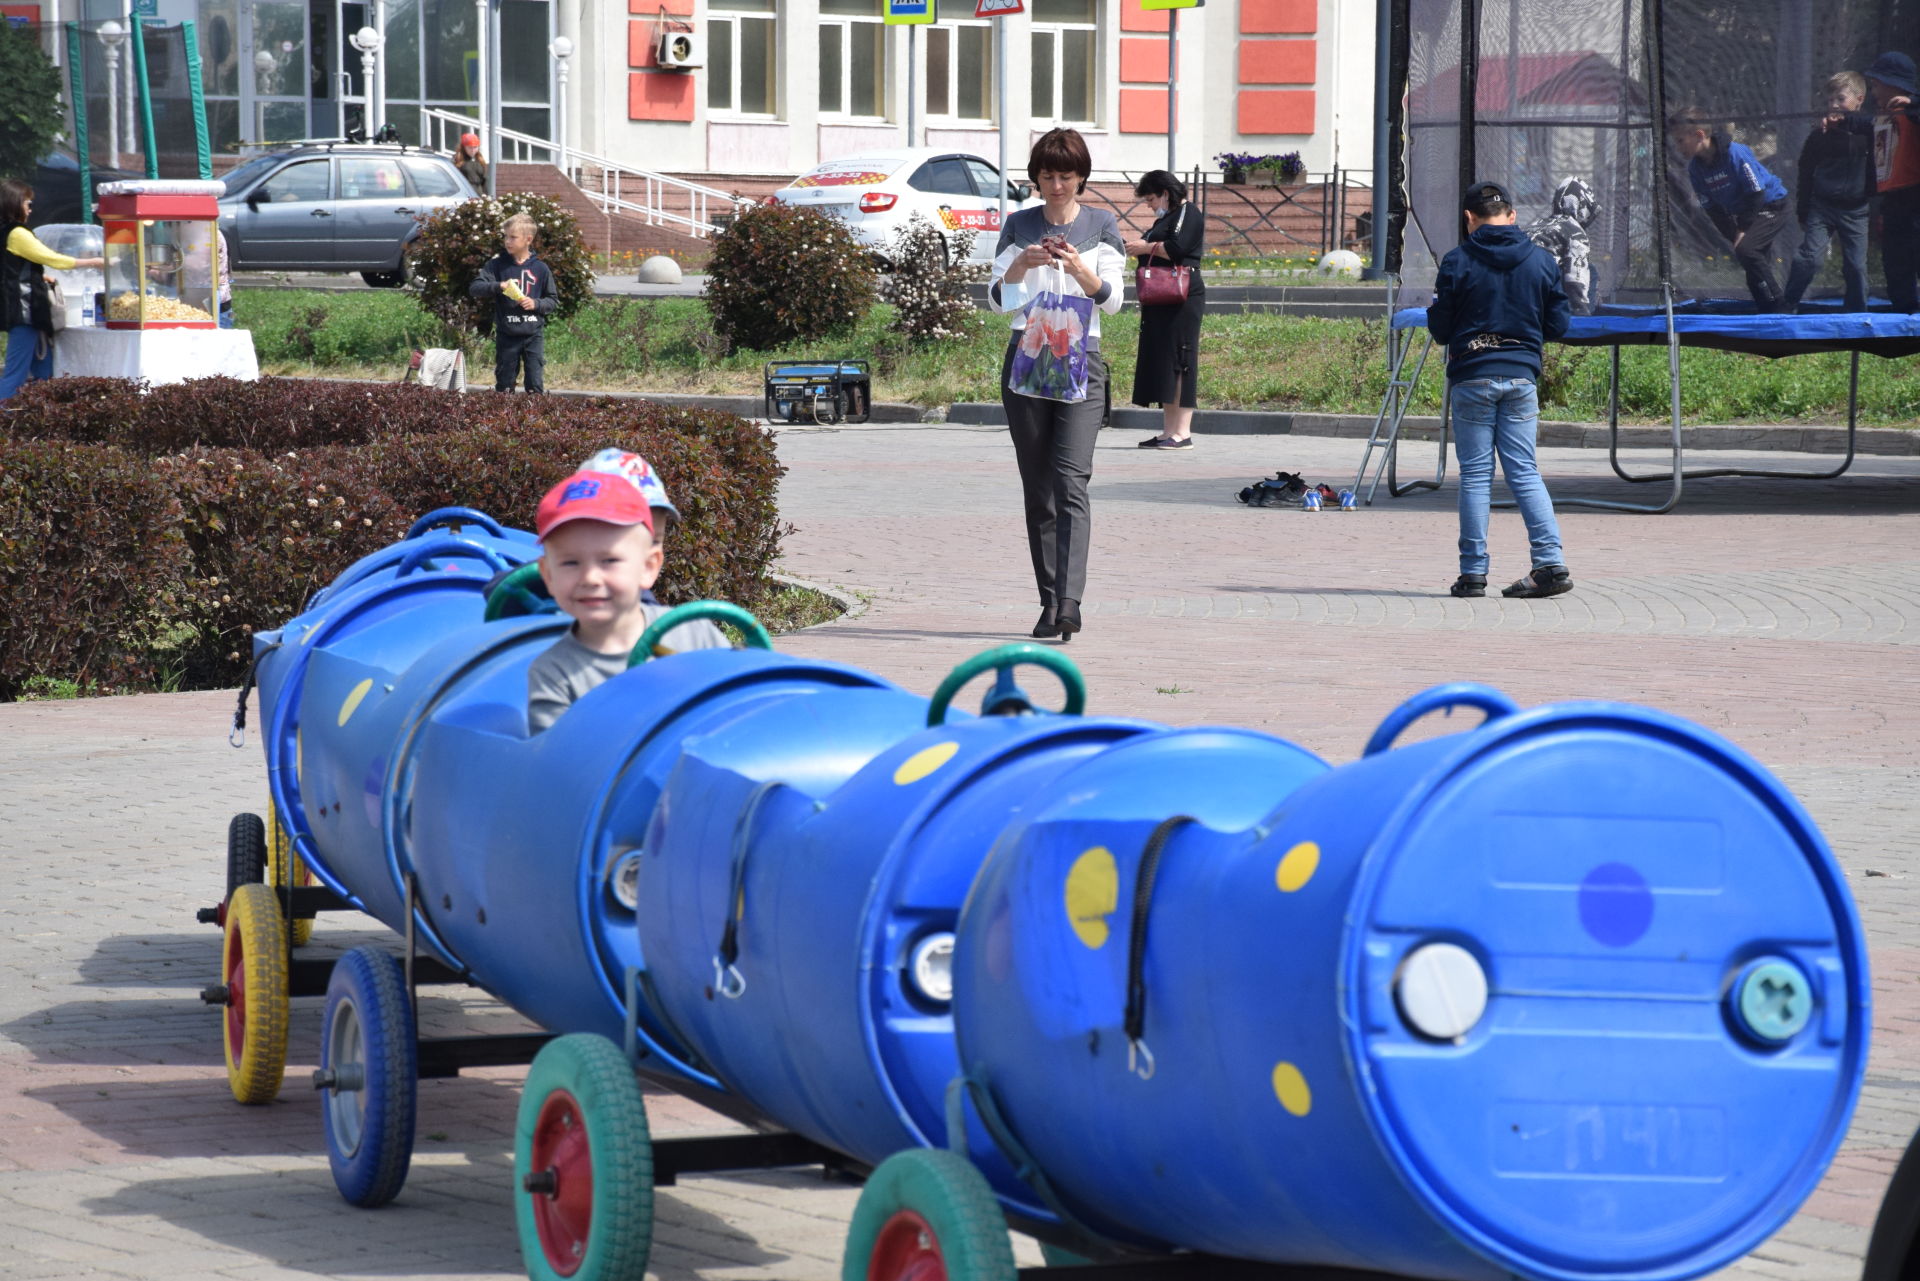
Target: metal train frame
(1178,1002)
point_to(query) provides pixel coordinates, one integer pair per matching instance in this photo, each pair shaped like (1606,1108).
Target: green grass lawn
(1247,361)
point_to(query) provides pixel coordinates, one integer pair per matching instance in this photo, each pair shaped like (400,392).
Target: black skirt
(1169,350)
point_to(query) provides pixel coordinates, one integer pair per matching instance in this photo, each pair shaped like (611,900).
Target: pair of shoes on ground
(1542,580)
(1062,621)
(1167,442)
(1283,489)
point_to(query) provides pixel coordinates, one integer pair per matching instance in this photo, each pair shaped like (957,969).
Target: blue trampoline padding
(1875,333)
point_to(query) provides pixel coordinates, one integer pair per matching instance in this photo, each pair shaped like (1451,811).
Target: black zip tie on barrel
(237,736)
(729,951)
(1136,1017)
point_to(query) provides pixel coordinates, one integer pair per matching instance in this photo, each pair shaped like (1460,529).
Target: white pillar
(562,51)
(480,72)
(377,83)
(111,34)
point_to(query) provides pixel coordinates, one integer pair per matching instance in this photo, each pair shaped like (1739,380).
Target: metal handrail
(623,189)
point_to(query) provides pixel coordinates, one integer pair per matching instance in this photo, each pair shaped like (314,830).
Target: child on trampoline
(1834,191)
(1896,160)
(1497,300)
(599,556)
(1563,233)
(1746,202)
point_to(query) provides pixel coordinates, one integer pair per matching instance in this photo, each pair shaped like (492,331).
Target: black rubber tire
(587,1077)
(369,1026)
(246,851)
(961,1215)
(1893,1251)
(393,279)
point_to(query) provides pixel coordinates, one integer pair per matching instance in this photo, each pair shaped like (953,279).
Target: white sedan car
(877,192)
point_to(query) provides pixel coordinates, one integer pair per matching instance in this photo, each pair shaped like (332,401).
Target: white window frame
(950,29)
(1059,68)
(843,26)
(734,19)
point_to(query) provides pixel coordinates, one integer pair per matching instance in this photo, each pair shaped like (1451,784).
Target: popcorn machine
(163,254)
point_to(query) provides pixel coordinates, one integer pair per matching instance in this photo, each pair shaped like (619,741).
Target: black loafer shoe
(1153,442)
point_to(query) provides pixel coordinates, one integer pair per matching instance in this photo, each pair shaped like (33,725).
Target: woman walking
(1166,369)
(25,307)
(468,160)
(1072,252)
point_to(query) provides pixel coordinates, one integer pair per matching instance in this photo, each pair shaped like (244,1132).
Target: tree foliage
(455,243)
(928,285)
(31,114)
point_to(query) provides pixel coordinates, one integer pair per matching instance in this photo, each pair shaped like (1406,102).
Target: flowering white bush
(928,283)
(781,273)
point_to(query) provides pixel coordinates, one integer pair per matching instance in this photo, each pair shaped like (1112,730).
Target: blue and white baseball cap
(635,470)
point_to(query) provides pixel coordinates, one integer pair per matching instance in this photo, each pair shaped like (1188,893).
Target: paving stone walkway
(1780,614)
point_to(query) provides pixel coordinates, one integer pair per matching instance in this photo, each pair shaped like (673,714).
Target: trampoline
(1531,92)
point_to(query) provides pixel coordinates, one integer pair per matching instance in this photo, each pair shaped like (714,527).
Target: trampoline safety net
(1530,93)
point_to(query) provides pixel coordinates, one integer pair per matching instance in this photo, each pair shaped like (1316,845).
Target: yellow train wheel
(253,967)
(279,849)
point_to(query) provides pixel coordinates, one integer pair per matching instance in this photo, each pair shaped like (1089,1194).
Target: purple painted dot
(1616,905)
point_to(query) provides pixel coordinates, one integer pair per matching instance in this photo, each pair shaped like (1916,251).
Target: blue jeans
(1847,226)
(23,365)
(1500,416)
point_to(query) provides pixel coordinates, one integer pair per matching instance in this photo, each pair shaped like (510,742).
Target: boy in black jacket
(1498,299)
(1834,192)
(522,291)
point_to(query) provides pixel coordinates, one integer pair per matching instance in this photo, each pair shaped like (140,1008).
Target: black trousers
(1755,255)
(1053,443)
(512,351)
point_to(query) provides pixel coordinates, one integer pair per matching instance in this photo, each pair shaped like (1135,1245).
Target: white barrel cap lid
(1442,991)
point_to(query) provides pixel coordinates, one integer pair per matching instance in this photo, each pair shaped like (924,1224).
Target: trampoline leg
(1440,466)
(1678,475)
(1613,452)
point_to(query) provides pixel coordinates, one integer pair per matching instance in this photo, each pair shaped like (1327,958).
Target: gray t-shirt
(569,669)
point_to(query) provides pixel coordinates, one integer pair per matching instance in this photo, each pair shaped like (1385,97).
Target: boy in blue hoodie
(1497,302)
(1746,202)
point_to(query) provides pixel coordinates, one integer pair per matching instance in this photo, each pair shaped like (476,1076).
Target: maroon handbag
(1163,286)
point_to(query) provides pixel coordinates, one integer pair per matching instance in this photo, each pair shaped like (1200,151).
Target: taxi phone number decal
(970,219)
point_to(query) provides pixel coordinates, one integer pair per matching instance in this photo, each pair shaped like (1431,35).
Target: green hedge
(143,537)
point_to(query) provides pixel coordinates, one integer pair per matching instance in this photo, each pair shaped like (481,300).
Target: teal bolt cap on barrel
(1773,999)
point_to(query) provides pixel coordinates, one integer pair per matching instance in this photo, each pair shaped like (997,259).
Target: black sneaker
(1542,580)
(1469,585)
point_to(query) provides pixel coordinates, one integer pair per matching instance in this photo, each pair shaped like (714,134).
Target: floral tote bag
(1051,361)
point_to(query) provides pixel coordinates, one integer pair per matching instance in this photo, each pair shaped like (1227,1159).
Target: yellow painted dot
(353,699)
(1093,891)
(924,762)
(1291,1089)
(1297,866)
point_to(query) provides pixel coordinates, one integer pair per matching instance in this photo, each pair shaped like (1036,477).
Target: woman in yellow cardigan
(25,310)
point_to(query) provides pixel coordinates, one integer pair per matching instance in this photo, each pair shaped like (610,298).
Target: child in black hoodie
(1834,192)
(522,291)
(1497,301)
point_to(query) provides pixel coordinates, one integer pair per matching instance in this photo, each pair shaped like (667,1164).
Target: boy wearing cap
(598,559)
(522,291)
(1497,301)
(1896,166)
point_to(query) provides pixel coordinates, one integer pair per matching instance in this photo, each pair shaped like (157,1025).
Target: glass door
(274,69)
(349,83)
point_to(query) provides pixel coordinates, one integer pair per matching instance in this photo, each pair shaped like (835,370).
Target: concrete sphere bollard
(659,270)
(1341,264)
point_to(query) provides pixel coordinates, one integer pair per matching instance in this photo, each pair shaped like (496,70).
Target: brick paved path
(1782,615)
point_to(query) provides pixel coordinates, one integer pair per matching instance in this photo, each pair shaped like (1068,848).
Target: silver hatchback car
(337,206)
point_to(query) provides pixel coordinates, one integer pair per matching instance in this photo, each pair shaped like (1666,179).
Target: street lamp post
(562,51)
(111,34)
(480,15)
(368,42)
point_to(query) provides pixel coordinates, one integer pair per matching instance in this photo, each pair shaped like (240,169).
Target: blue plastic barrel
(1576,994)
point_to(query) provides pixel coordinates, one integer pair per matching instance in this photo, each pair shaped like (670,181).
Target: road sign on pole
(998,8)
(903,12)
(1173,65)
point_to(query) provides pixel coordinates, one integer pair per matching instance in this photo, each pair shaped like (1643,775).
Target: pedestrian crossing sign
(903,12)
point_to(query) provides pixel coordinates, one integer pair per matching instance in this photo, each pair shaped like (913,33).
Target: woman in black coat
(1168,364)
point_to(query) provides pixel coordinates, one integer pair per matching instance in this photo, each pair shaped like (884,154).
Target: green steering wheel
(1003,660)
(512,590)
(719,611)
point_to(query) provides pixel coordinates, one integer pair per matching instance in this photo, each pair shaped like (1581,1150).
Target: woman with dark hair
(26,310)
(1053,439)
(1166,369)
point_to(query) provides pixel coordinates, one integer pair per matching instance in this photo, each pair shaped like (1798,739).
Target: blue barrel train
(1577,993)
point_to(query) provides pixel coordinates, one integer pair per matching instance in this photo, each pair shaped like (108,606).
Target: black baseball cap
(1482,194)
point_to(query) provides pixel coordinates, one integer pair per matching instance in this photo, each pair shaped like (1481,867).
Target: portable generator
(825,391)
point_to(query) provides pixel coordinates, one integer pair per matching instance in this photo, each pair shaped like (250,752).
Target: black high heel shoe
(1047,627)
(1067,619)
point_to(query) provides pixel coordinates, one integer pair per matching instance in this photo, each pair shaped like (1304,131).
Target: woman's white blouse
(1103,250)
